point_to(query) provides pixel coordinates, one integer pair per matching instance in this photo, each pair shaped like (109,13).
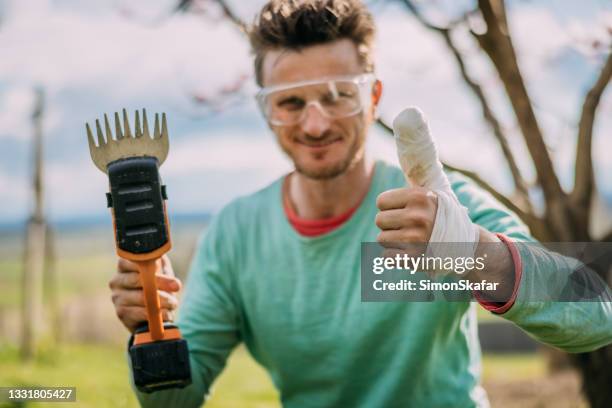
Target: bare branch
(380,122)
(205,100)
(233,17)
(491,119)
(489,116)
(583,177)
(184,5)
(452,24)
(498,46)
(526,217)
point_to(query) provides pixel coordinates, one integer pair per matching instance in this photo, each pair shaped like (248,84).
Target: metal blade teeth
(90,138)
(118,133)
(145,124)
(164,132)
(156,134)
(101,141)
(109,134)
(137,128)
(127,143)
(126,125)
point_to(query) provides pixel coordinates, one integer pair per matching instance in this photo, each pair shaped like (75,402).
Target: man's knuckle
(379,220)
(411,235)
(418,199)
(406,215)
(420,220)
(134,280)
(121,312)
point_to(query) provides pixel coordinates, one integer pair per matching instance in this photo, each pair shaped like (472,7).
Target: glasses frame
(361,80)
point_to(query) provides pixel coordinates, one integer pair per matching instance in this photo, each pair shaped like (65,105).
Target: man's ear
(376,92)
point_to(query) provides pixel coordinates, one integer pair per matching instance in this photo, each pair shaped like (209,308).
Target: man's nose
(314,123)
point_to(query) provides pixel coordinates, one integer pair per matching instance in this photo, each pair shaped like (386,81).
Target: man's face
(320,147)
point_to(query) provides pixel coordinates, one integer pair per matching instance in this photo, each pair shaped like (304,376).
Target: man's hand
(428,210)
(407,215)
(128,296)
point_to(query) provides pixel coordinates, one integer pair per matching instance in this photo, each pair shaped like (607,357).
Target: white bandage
(418,158)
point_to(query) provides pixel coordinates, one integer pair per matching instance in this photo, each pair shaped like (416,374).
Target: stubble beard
(354,154)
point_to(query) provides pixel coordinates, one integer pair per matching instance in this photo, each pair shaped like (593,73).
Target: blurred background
(544,140)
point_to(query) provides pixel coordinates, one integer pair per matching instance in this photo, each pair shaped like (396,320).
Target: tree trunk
(32,293)
(35,244)
(566,222)
(50,287)
(596,366)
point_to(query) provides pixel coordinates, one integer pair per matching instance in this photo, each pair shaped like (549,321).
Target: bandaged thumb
(418,158)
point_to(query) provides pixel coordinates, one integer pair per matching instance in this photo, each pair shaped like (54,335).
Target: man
(280,269)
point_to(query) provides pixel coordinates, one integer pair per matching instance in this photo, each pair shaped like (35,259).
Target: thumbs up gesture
(427,211)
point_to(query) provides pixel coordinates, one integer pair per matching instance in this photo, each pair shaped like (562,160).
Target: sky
(99,56)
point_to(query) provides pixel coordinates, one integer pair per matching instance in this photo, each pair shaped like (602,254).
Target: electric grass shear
(159,356)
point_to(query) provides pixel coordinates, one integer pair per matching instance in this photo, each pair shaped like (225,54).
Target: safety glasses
(335,97)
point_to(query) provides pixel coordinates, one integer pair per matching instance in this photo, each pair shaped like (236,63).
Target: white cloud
(116,56)
(587,33)
(407,51)
(536,33)
(16,106)
(225,152)
(15,193)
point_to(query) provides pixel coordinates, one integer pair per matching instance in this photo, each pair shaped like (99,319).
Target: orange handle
(147,271)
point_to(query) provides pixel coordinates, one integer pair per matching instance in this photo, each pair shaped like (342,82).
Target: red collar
(309,227)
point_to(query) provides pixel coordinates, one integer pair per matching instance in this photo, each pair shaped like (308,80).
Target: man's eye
(292,103)
(346,94)
(337,97)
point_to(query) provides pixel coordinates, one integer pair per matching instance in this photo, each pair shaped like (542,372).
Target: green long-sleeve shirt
(295,303)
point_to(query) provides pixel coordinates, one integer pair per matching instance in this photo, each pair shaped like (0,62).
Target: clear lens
(337,98)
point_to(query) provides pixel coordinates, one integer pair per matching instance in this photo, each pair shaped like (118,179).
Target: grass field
(99,372)
(100,375)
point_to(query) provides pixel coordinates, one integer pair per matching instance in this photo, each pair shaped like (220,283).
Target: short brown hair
(295,24)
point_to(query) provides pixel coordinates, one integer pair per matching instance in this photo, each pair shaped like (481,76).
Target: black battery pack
(160,365)
(137,198)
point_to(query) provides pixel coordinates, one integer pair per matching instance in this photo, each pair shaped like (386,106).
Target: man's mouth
(318,143)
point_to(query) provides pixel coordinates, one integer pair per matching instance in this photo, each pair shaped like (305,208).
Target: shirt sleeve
(573,326)
(208,320)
